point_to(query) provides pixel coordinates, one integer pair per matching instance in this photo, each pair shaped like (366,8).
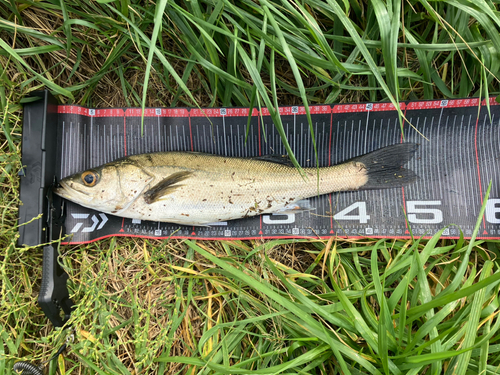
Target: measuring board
(457,158)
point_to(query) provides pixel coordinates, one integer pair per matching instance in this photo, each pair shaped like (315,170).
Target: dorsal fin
(165,186)
(275,158)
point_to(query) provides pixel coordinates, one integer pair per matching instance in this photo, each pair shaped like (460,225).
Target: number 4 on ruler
(361,216)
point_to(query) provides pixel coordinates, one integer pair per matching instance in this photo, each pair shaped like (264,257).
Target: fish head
(109,188)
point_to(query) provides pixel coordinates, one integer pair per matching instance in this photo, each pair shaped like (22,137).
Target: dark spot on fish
(204,200)
(135,191)
(185,214)
(230,201)
(211,185)
(260,211)
(114,212)
(102,191)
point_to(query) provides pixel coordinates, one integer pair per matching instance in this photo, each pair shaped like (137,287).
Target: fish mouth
(68,191)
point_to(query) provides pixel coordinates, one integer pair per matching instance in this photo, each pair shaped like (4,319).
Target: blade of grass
(159,11)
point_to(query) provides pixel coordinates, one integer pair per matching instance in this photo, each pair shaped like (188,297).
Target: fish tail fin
(385,166)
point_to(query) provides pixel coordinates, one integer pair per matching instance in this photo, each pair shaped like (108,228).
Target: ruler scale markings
(205,137)
(385,207)
(305,156)
(164,138)
(367,122)
(184,139)
(486,158)
(243,150)
(470,161)
(106,148)
(62,150)
(379,144)
(497,193)
(492,157)
(461,137)
(410,189)
(74,147)
(86,148)
(177,140)
(197,146)
(171,141)
(119,149)
(159,138)
(218,143)
(427,160)
(224,134)
(68,148)
(396,138)
(91,151)
(432,132)
(98,142)
(231,143)
(451,173)
(67,167)
(360,136)
(474,173)
(140,146)
(111,143)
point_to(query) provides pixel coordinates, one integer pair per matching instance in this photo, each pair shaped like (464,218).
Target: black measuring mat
(458,156)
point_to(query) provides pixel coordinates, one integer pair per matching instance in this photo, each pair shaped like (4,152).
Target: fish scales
(198,189)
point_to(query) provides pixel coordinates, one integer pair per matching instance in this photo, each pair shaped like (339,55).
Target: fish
(191,188)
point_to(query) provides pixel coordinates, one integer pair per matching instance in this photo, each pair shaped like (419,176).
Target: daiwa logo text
(96,223)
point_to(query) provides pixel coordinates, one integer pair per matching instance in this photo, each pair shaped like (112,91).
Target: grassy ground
(309,307)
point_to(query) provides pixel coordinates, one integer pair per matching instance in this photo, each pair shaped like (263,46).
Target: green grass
(283,306)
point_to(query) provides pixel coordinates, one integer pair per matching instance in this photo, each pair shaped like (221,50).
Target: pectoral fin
(164,187)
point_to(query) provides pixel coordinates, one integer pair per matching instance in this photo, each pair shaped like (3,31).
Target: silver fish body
(198,189)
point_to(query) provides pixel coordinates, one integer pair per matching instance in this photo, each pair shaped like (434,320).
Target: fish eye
(89,178)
